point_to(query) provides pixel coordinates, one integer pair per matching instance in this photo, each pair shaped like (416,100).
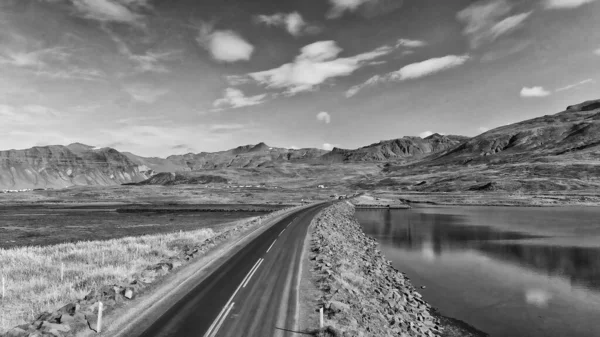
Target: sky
(162,77)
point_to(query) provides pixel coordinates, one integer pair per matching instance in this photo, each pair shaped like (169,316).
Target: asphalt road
(254,293)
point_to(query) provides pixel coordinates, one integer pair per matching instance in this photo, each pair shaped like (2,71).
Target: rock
(16,332)
(128,293)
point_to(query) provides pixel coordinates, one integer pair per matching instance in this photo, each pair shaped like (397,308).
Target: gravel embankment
(362,294)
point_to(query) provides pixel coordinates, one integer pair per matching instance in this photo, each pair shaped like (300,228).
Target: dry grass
(32,274)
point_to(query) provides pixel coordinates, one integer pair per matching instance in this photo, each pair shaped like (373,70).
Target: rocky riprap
(362,294)
(83,314)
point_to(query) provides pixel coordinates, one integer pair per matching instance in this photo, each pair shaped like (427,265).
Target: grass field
(33,274)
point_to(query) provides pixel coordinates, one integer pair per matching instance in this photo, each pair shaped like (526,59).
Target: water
(507,271)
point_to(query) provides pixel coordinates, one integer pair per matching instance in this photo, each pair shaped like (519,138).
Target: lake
(511,272)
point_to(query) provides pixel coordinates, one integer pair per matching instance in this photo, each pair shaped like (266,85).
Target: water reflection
(434,234)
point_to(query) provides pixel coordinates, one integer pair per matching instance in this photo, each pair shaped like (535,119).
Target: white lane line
(249,277)
(212,326)
(222,320)
(271,246)
(282,231)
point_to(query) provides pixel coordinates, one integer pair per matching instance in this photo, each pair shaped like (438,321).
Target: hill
(401,148)
(58,166)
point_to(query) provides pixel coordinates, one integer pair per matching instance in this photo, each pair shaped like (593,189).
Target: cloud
(235,98)
(316,63)
(538,297)
(565,4)
(534,92)
(412,71)
(224,45)
(429,67)
(121,11)
(366,8)
(144,93)
(328,147)
(574,85)
(597,51)
(410,43)
(226,127)
(425,134)
(486,21)
(293,147)
(292,22)
(324,117)
(483,129)
(150,61)
(27,115)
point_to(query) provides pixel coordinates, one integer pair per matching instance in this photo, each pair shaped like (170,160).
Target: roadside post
(62,271)
(321,317)
(100,307)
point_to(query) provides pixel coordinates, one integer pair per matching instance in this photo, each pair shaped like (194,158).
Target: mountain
(58,166)
(247,156)
(171,178)
(574,130)
(401,148)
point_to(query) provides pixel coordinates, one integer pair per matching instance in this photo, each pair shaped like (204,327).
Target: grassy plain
(33,274)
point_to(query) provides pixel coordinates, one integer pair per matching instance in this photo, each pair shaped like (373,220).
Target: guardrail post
(100,307)
(321,317)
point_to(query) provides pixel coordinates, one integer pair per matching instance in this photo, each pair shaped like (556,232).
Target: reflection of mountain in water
(580,265)
(447,232)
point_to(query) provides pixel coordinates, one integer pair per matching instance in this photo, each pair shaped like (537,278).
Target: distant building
(321,186)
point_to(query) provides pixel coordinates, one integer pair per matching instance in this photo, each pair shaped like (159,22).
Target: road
(254,293)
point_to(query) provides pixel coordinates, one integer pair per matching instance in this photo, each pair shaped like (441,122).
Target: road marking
(210,331)
(254,271)
(271,246)
(222,320)
(282,231)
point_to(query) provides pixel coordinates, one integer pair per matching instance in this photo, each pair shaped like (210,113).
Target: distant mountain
(171,178)
(406,147)
(575,130)
(60,166)
(247,156)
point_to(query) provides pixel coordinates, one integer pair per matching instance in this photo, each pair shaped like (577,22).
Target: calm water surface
(507,271)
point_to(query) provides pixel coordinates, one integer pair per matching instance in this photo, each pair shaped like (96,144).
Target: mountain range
(570,136)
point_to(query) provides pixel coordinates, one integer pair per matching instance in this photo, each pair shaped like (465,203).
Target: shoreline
(361,292)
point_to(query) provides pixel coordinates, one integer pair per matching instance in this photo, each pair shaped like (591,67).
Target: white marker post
(321,316)
(100,307)
(62,271)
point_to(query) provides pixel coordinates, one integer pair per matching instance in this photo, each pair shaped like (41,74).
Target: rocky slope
(575,130)
(248,156)
(407,147)
(60,166)
(363,295)
(171,178)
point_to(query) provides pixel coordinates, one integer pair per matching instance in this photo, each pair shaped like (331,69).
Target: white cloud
(367,8)
(563,4)
(144,93)
(597,51)
(226,127)
(324,117)
(235,98)
(27,115)
(293,147)
(509,24)
(574,85)
(410,43)
(316,63)
(429,67)
(486,21)
(328,147)
(123,11)
(534,92)
(483,129)
(150,61)
(292,22)
(412,71)
(224,45)
(425,134)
